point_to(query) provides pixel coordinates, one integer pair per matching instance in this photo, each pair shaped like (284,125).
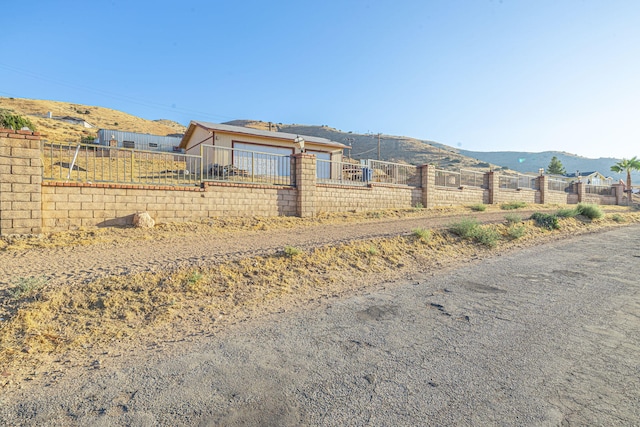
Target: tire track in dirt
(86,263)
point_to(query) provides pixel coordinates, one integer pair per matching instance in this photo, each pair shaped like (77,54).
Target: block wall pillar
(305,167)
(581,190)
(493,182)
(428,174)
(542,187)
(20,182)
(619,189)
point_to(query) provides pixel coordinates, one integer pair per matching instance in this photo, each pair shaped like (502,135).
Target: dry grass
(100,117)
(46,323)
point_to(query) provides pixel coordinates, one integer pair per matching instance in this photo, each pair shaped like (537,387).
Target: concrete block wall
(28,205)
(337,198)
(67,206)
(505,195)
(20,182)
(459,196)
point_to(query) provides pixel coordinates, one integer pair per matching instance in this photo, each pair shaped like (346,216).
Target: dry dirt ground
(538,335)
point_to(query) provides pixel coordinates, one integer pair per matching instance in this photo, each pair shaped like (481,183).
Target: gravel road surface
(547,335)
(72,263)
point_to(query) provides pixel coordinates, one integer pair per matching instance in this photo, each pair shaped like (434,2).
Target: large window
(262,159)
(323,169)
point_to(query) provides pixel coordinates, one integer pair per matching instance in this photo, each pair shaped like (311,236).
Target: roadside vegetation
(42,324)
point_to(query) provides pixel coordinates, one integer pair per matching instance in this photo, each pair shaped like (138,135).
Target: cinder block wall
(337,198)
(28,205)
(20,182)
(71,205)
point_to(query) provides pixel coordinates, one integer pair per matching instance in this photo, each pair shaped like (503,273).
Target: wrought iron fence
(447,179)
(558,185)
(515,182)
(601,190)
(472,179)
(508,181)
(528,181)
(231,164)
(342,173)
(92,163)
(394,173)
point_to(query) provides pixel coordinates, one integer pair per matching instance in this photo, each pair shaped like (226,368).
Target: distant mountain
(392,148)
(523,161)
(416,151)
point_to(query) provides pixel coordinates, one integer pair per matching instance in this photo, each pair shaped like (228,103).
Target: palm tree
(627,165)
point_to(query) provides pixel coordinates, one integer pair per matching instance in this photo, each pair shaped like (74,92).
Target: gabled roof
(582,174)
(240,130)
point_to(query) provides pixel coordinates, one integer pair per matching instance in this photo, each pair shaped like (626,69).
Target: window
(128,144)
(153,145)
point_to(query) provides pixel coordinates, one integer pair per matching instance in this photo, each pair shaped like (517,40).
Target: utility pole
(350,141)
(378,145)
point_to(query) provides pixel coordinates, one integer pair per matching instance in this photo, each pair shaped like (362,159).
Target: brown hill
(100,117)
(392,148)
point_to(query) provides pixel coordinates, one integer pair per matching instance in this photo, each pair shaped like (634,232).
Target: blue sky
(485,75)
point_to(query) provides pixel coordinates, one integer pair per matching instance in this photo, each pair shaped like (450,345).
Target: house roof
(255,132)
(582,174)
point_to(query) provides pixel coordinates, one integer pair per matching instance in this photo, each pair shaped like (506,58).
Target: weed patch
(548,221)
(422,234)
(479,207)
(513,205)
(590,211)
(513,218)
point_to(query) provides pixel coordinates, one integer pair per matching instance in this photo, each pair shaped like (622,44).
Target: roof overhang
(240,130)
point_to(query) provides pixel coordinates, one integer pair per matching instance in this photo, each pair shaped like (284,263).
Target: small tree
(627,165)
(10,120)
(555,167)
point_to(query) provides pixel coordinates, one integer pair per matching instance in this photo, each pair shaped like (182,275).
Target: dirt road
(71,263)
(548,335)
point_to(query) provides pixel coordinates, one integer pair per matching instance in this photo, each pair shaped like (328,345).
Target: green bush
(513,218)
(516,231)
(590,211)
(418,206)
(479,207)
(464,228)
(26,286)
(486,236)
(291,251)
(469,228)
(547,221)
(566,213)
(513,205)
(618,218)
(10,120)
(422,234)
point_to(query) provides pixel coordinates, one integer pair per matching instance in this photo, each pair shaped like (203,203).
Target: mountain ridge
(392,148)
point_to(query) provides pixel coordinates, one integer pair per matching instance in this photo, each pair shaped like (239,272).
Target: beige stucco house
(263,141)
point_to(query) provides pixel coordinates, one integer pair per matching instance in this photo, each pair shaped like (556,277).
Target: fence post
(20,182)
(581,190)
(306,184)
(542,187)
(493,182)
(428,176)
(619,189)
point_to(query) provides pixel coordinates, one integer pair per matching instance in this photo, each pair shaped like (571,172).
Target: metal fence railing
(92,163)
(449,179)
(528,181)
(473,179)
(601,190)
(558,185)
(231,164)
(394,173)
(515,182)
(508,182)
(342,173)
